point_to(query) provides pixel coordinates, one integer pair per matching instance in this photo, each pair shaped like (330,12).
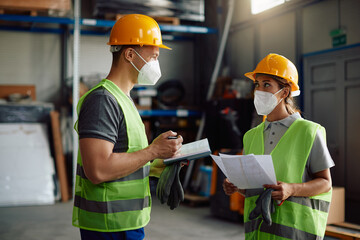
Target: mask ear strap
(140,56)
(278,91)
(289,93)
(134,66)
(133,63)
(280,98)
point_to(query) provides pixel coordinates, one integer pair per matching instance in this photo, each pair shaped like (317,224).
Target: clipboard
(191,151)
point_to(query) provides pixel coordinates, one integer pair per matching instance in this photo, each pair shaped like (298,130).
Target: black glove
(169,188)
(165,182)
(176,191)
(264,206)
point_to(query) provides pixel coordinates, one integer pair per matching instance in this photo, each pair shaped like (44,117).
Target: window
(258,6)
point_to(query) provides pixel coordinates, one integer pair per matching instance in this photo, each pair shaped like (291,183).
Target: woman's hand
(230,188)
(320,184)
(282,191)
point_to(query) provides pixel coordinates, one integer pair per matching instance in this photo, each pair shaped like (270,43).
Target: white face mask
(265,102)
(150,73)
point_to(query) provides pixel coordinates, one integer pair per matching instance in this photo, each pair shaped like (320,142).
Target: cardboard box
(337,206)
(6,90)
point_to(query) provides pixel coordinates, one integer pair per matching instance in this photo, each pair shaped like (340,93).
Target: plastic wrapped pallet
(25,112)
(27,169)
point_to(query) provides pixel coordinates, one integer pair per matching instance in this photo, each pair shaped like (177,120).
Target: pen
(172,137)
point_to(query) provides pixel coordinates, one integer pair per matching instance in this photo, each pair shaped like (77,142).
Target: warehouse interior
(53,52)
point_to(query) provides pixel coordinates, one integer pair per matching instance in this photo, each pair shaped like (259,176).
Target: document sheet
(247,171)
(192,151)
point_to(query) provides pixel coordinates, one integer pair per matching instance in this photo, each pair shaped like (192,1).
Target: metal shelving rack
(62,26)
(103,28)
(93,23)
(169,113)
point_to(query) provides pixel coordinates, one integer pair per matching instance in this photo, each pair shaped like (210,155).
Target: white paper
(220,164)
(192,151)
(247,171)
(195,147)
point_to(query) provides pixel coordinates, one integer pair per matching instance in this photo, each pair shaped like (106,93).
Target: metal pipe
(64,62)
(75,89)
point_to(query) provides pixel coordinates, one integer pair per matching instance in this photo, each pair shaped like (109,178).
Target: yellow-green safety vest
(298,217)
(119,205)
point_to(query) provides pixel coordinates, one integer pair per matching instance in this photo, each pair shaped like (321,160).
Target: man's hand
(163,148)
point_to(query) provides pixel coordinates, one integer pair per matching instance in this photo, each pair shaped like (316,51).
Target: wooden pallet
(158,19)
(19,12)
(35,7)
(34,12)
(167,20)
(344,230)
(59,157)
(36,4)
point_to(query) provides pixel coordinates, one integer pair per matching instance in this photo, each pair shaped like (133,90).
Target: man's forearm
(119,165)
(123,164)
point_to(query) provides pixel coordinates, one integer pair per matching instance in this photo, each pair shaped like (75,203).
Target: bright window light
(258,6)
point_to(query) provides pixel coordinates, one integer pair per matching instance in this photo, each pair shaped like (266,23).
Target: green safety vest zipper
(298,217)
(119,205)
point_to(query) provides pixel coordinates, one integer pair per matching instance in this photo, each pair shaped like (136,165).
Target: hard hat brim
(160,46)
(250,75)
(295,90)
(163,46)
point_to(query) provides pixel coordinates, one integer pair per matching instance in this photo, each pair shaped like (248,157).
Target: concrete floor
(54,222)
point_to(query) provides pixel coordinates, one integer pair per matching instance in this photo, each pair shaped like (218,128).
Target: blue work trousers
(137,234)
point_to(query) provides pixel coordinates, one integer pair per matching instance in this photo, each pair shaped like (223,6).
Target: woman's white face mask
(265,102)
(150,73)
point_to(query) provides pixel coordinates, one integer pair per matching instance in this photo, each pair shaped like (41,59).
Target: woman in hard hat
(112,193)
(300,157)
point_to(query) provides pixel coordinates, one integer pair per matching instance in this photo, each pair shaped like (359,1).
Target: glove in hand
(264,206)
(169,188)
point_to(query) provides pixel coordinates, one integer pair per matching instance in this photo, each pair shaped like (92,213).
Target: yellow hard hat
(136,29)
(277,65)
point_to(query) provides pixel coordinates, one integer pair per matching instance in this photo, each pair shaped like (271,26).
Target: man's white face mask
(150,73)
(265,102)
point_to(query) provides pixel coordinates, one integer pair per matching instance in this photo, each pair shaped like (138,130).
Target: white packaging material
(26,166)
(145,101)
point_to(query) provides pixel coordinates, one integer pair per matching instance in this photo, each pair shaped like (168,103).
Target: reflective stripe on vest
(278,230)
(111,206)
(139,174)
(119,205)
(297,217)
(316,204)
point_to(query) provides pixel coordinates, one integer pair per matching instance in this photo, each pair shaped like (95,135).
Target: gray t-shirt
(319,157)
(101,117)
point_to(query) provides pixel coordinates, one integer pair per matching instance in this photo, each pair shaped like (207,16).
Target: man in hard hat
(112,193)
